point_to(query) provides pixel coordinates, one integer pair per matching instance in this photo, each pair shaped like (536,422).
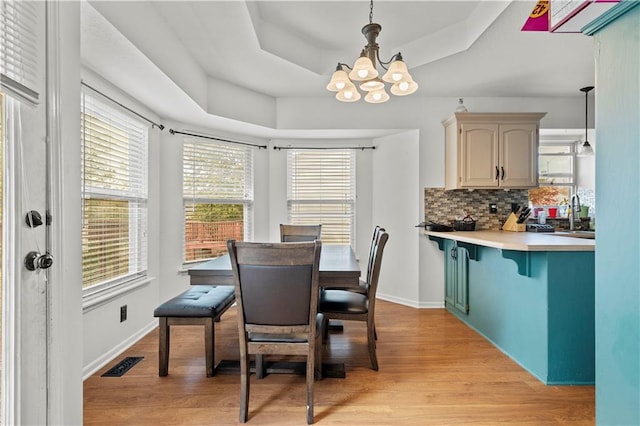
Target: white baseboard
(96,365)
(410,303)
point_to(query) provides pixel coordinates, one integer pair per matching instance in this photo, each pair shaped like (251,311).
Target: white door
(24,291)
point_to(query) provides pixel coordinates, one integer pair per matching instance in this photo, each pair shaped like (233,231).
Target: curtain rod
(153,123)
(324,147)
(177,132)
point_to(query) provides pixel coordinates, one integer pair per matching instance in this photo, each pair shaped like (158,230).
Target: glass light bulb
(348,94)
(396,76)
(363,73)
(377,96)
(404,86)
(340,85)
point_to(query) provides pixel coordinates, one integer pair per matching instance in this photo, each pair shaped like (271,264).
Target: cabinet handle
(454,253)
(502,167)
(497,173)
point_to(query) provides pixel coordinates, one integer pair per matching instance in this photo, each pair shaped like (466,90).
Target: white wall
(396,205)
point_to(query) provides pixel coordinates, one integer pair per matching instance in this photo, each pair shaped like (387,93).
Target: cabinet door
(518,155)
(479,155)
(450,272)
(461,302)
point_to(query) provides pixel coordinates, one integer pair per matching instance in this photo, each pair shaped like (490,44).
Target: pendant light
(586,149)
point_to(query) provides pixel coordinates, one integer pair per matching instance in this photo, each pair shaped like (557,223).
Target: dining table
(338,268)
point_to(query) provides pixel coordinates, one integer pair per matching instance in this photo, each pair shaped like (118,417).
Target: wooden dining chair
(297,233)
(276,287)
(348,305)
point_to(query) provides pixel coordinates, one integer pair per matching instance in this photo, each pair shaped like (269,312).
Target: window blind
(114,194)
(218,196)
(20,63)
(321,188)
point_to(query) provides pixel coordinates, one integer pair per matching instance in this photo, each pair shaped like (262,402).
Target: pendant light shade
(397,71)
(373,84)
(339,80)
(586,149)
(404,87)
(364,70)
(348,94)
(377,96)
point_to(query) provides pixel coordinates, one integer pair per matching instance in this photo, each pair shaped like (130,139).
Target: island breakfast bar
(531,295)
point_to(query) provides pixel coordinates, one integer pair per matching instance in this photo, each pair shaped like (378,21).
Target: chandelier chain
(371,13)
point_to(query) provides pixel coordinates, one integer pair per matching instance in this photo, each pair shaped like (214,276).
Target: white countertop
(521,241)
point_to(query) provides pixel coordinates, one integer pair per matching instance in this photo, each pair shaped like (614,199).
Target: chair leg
(310,373)
(325,329)
(163,350)
(260,366)
(244,387)
(318,357)
(209,346)
(375,333)
(371,341)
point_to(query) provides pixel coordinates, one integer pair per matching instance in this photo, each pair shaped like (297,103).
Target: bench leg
(209,345)
(163,349)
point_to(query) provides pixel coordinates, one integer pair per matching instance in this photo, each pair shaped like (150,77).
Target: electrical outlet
(493,208)
(123,313)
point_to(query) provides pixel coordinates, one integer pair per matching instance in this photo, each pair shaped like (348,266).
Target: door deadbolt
(34,260)
(33,219)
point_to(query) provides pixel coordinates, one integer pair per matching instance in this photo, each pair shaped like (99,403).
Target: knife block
(512,224)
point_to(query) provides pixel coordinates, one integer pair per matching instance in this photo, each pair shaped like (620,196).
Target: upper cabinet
(491,150)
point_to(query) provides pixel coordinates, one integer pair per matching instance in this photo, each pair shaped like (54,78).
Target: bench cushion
(198,301)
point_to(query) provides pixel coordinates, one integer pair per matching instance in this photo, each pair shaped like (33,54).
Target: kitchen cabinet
(531,295)
(456,294)
(491,150)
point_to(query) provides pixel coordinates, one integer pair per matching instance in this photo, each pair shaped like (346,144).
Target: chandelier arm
(393,58)
(381,62)
(344,65)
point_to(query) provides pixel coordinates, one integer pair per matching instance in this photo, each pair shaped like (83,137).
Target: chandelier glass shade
(365,73)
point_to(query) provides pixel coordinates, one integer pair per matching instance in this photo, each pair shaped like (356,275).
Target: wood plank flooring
(434,370)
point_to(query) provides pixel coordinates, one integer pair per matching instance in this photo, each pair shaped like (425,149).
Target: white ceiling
(454,48)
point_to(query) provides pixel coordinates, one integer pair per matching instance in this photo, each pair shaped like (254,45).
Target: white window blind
(114,194)
(20,24)
(218,196)
(321,188)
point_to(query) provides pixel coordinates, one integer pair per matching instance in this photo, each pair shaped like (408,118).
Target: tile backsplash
(444,207)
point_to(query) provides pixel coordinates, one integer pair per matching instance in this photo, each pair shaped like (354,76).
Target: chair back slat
(299,233)
(375,270)
(378,230)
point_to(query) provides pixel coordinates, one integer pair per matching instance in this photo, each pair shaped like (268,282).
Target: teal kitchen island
(531,295)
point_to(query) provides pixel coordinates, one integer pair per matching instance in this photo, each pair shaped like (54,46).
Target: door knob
(34,260)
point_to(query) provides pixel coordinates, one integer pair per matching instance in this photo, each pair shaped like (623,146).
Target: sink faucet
(575,207)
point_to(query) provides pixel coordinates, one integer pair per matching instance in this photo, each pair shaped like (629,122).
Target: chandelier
(364,71)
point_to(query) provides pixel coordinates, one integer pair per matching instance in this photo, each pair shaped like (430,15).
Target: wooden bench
(200,305)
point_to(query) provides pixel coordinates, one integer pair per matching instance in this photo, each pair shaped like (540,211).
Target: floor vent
(123,366)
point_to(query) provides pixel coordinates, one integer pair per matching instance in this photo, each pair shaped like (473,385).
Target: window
(218,197)
(114,194)
(20,58)
(556,172)
(321,188)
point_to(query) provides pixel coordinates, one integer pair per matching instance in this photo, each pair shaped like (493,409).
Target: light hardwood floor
(434,370)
